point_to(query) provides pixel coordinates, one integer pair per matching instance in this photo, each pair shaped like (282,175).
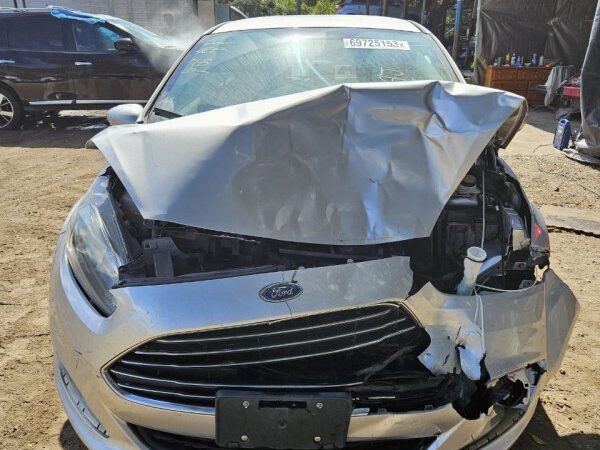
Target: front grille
(159,440)
(331,351)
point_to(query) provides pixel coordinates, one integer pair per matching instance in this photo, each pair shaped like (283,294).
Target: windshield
(139,33)
(238,67)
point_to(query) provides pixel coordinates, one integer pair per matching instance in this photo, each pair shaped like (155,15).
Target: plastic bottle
(507,59)
(473,261)
(513,60)
(534,60)
(541,60)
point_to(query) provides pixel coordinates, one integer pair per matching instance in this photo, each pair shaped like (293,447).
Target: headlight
(95,246)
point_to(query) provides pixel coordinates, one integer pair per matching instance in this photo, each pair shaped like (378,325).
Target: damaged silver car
(308,240)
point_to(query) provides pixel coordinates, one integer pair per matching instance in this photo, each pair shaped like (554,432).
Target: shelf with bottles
(516,61)
(520,80)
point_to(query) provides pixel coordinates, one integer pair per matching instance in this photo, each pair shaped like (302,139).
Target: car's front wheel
(11,110)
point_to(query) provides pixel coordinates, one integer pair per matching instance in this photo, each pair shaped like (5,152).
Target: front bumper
(520,329)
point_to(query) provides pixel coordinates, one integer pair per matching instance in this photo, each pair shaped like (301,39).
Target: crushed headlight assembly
(95,246)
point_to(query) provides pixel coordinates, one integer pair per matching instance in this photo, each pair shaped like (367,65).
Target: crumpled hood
(350,164)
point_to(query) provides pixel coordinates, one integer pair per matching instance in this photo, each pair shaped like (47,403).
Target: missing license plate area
(282,404)
(258,420)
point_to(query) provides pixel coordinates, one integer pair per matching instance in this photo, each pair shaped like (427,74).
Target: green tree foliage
(323,7)
(255,8)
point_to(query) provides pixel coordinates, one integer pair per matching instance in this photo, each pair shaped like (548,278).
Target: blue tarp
(61,13)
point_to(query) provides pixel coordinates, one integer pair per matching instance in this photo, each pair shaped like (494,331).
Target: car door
(102,74)
(35,61)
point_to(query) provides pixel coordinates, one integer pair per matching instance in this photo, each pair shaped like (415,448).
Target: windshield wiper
(164,113)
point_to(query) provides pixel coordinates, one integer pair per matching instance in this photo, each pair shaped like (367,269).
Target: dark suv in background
(56,59)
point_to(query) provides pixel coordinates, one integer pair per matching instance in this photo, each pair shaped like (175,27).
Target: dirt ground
(44,169)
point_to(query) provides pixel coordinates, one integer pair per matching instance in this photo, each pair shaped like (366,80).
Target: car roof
(33,10)
(48,10)
(11,10)
(320,21)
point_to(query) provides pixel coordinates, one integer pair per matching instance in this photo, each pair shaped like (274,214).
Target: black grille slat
(165,393)
(327,351)
(273,346)
(151,381)
(160,440)
(263,361)
(312,328)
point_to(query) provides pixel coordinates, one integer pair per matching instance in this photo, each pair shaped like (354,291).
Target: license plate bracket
(277,421)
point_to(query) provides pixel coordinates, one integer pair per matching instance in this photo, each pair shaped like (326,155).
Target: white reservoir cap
(476,254)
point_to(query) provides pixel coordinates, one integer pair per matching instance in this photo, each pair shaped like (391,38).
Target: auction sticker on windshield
(384,44)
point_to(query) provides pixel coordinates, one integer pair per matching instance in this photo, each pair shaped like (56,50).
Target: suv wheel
(11,110)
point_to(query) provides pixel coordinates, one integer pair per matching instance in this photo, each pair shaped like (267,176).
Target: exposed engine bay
(487,199)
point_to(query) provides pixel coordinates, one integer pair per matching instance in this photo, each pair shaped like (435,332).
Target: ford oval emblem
(280,292)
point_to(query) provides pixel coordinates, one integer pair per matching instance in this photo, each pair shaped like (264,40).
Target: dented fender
(501,332)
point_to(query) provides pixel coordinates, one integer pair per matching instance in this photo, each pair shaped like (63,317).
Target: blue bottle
(562,135)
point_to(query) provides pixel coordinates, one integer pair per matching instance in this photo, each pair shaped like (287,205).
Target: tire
(11,110)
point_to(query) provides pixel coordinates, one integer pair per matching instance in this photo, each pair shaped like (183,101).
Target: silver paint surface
(85,343)
(349,164)
(510,329)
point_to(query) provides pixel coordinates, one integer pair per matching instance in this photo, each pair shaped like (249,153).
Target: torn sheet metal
(355,164)
(562,310)
(452,322)
(509,329)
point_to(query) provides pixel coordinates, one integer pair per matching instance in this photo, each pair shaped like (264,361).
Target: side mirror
(125,45)
(124,114)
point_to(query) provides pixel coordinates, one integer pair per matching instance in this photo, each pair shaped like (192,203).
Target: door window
(94,38)
(3,27)
(36,33)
